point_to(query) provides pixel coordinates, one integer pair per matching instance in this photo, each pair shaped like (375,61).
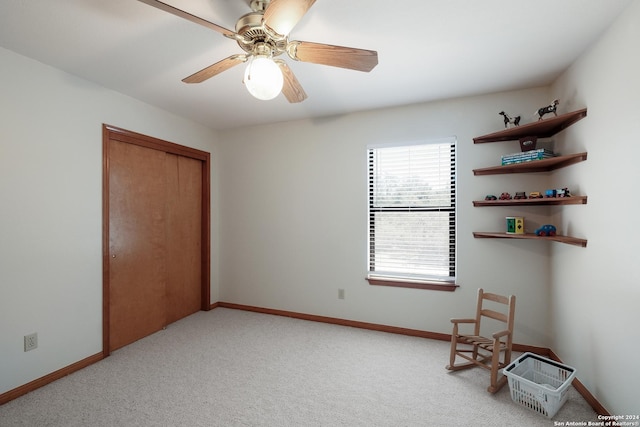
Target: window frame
(414,281)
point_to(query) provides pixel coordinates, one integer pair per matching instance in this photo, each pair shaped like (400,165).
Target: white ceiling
(427,50)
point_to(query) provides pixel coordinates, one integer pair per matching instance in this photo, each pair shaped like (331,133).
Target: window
(412,215)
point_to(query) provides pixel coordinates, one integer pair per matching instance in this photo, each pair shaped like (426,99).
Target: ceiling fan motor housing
(252,33)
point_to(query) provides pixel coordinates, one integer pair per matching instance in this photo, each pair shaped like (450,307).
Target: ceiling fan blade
(217,68)
(186,15)
(336,56)
(291,87)
(282,15)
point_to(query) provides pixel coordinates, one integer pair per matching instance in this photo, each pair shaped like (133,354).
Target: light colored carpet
(235,368)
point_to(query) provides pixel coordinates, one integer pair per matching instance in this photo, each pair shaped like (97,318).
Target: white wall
(294,217)
(51,210)
(596,292)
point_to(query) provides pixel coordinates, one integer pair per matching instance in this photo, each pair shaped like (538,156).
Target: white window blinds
(412,216)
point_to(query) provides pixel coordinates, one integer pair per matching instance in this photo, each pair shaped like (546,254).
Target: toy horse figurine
(507,119)
(548,109)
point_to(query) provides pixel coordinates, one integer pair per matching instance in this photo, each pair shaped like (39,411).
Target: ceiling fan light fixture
(263,77)
(264,34)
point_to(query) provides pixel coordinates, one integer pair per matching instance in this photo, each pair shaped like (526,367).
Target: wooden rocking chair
(485,351)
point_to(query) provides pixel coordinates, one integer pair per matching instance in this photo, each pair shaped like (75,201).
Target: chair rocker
(482,351)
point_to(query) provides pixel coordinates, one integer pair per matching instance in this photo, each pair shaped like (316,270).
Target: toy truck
(546,230)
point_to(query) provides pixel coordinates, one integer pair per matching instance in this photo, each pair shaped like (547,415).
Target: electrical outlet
(340,293)
(31,341)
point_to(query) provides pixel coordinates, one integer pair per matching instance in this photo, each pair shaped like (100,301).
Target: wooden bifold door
(155,235)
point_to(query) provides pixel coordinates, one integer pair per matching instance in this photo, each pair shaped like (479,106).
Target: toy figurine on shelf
(510,120)
(551,108)
(505,196)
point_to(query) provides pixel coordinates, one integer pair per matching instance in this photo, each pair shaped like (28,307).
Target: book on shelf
(527,156)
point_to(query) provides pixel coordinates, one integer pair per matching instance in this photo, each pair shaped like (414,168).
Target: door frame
(114,133)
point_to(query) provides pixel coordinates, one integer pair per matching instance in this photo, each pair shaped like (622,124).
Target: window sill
(414,284)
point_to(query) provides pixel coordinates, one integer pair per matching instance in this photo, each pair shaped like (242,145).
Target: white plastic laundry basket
(538,383)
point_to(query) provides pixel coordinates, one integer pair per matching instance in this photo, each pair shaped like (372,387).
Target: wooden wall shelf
(544,165)
(527,135)
(562,239)
(542,128)
(547,201)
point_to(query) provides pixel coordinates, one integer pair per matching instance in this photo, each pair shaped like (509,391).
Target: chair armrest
(463,320)
(501,334)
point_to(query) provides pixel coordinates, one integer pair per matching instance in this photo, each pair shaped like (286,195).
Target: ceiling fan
(264,35)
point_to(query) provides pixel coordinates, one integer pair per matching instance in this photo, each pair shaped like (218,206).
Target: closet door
(183,230)
(155,235)
(137,241)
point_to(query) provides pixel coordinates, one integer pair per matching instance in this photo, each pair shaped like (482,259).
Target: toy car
(546,230)
(490,197)
(520,195)
(505,196)
(563,192)
(535,195)
(550,193)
